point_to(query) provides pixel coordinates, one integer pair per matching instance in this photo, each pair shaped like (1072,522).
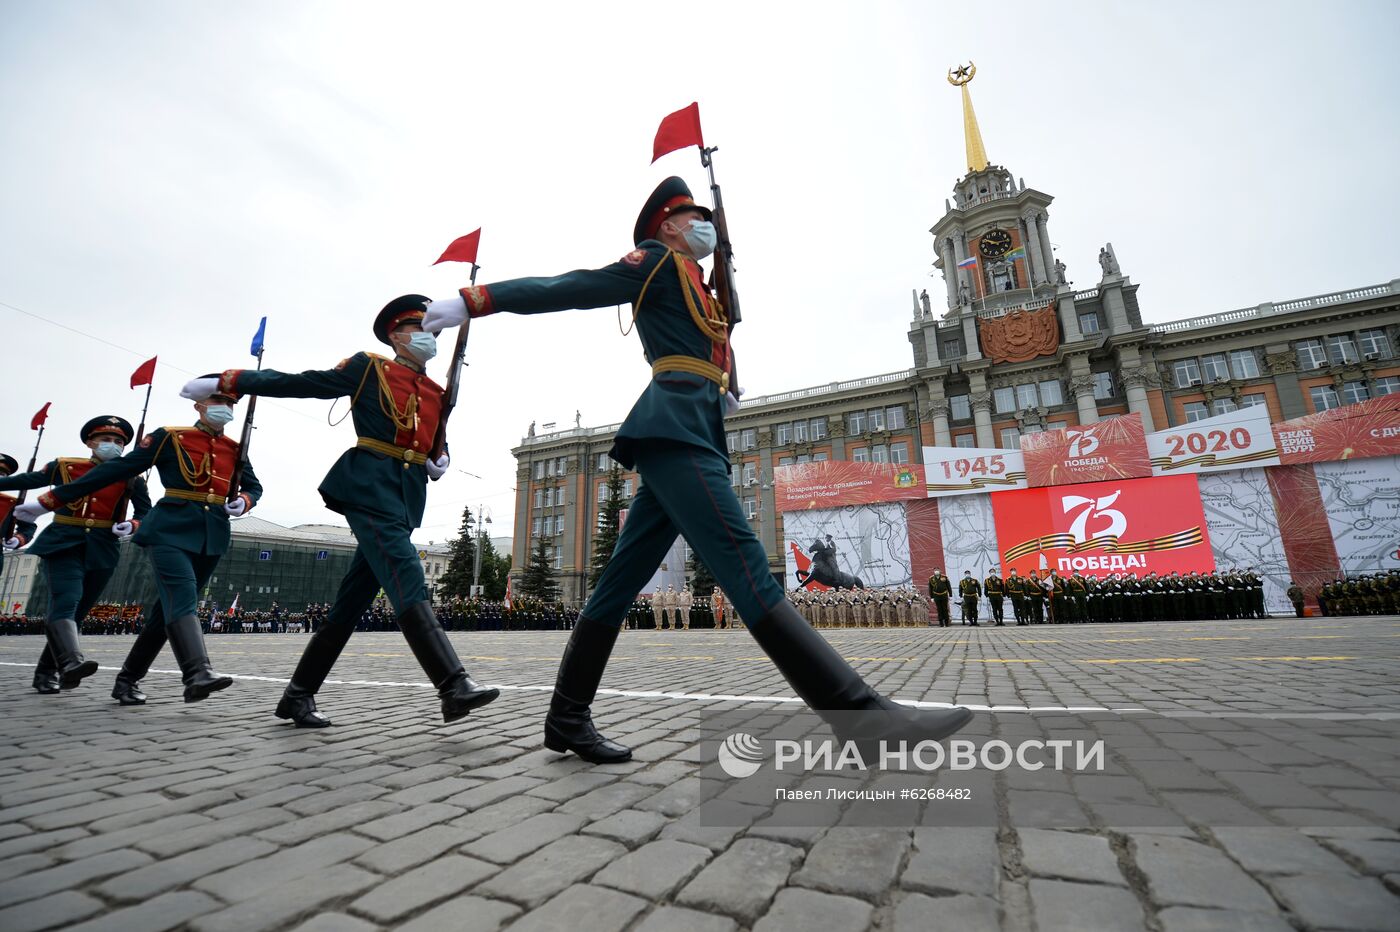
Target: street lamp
(476,562)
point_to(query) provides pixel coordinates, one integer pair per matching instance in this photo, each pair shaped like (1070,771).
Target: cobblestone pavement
(1252,783)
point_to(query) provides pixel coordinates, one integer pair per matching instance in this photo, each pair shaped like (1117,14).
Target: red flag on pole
(678,130)
(40,417)
(462,249)
(144,373)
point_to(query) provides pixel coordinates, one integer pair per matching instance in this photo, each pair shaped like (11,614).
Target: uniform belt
(388,449)
(694,366)
(205,498)
(81,522)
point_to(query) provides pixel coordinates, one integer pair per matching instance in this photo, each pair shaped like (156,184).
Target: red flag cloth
(144,373)
(462,249)
(678,130)
(40,417)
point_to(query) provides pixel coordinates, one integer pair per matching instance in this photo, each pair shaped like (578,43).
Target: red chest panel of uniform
(719,352)
(101,505)
(208,459)
(415,393)
(7,505)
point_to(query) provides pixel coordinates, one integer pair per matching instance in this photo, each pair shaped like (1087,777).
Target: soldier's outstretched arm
(120,469)
(313,383)
(618,283)
(30,480)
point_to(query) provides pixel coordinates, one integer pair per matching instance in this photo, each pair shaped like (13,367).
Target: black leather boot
(298,701)
(46,681)
(187,643)
(127,689)
(73,667)
(429,643)
(824,680)
(569,726)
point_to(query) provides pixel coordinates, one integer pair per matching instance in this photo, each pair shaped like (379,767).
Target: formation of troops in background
(1363,594)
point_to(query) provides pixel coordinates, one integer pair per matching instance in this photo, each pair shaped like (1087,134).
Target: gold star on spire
(976,154)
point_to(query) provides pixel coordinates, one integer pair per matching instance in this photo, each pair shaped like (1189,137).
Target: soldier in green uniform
(969,590)
(940,589)
(1295,595)
(1059,611)
(675,438)
(1079,591)
(995,589)
(1035,597)
(381,487)
(16,533)
(79,548)
(186,534)
(1015,588)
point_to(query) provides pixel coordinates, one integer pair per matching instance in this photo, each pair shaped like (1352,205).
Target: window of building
(1025,396)
(626,488)
(1250,401)
(1214,367)
(952,349)
(1089,323)
(539,470)
(1311,354)
(899,452)
(734,475)
(784,461)
(1010,438)
(1387,386)
(855,423)
(558,557)
(1223,406)
(966,441)
(548,525)
(782,434)
(549,468)
(1055,425)
(799,431)
(1244,364)
(549,498)
(860,455)
(1341,349)
(732,440)
(1185,372)
(1324,398)
(1103,385)
(748,438)
(750,508)
(604,462)
(750,473)
(804,458)
(875,418)
(1374,343)
(602,491)
(820,457)
(961,407)
(818,428)
(894,417)
(1004,399)
(879,453)
(1050,394)
(535,528)
(1195,411)
(539,498)
(1353,392)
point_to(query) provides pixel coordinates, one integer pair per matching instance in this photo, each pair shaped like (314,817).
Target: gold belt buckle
(212,499)
(408,456)
(89,523)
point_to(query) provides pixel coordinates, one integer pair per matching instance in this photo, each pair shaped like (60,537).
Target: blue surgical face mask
(422,345)
(218,414)
(107,450)
(701,238)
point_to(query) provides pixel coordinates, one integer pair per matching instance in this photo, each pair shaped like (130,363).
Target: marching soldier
(186,534)
(995,589)
(940,590)
(79,549)
(381,487)
(969,590)
(674,438)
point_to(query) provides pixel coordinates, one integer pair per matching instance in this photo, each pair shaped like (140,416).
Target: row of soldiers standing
(1359,594)
(861,608)
(1036,599)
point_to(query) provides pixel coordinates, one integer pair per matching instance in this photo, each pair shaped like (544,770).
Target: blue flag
(257,346)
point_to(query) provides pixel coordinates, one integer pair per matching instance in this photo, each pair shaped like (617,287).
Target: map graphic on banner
(1368,428)
(969,535)
(1240,438)
(1244,531)
(959,470)
(1362,500)
(1131,525)
(1114,448)
(833,483)
(867,542)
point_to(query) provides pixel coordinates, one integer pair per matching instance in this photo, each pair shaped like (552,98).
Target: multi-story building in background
(1010,348)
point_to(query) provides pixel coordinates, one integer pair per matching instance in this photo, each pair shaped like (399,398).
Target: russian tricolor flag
(968,262)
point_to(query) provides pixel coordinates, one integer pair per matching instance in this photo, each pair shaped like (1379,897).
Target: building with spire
(1010,348)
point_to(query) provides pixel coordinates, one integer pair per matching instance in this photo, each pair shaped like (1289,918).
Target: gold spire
(976,154)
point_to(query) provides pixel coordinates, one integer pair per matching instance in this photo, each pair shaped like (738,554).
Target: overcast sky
(172,171)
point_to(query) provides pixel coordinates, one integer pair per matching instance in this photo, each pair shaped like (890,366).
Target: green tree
(702,581)
(495,567)
(538,579)
(606,539)
(457,581)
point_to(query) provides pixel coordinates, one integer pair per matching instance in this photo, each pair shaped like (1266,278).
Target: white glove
(199,389)
(450,312)
(236,507)
(12,543)
(123,530)
(731,404)
(29,512)
(438,468)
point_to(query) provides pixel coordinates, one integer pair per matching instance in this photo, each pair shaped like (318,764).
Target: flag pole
(10,520)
